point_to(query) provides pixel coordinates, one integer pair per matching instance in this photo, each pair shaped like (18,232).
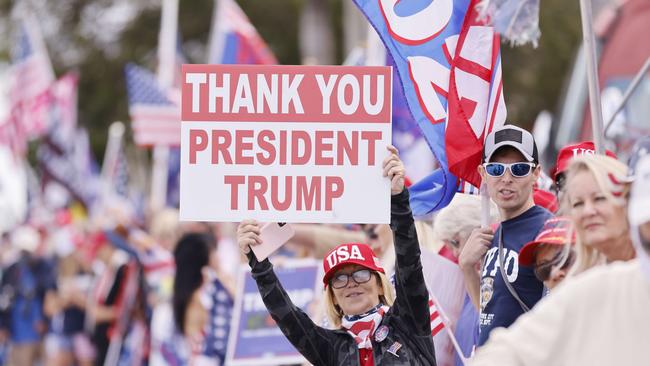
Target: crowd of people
(561,276)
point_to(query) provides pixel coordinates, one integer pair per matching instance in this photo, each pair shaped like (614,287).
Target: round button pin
(381,333)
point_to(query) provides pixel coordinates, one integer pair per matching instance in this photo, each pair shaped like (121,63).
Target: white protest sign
(285,143)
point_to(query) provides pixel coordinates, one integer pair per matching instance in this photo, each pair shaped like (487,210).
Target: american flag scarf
(362,327)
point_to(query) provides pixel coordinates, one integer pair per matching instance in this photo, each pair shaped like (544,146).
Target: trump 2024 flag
(450,68)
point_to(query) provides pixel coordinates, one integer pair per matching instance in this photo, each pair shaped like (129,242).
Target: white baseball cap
(509,135)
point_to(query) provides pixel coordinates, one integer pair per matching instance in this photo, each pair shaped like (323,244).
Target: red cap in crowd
(570,151)
(555,232)
(352,253)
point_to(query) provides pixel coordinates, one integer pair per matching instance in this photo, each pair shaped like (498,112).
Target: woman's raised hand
(248,233)
(394,170)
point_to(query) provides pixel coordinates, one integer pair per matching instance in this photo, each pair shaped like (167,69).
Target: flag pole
(450,333)
(589,41)
(628,93)
(166,64)
(216,42)
(113,145)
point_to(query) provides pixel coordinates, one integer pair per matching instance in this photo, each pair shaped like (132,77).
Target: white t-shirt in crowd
(601,317)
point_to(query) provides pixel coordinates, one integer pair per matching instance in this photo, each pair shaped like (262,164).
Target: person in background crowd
(545,199)
(596,195)
(115,272)
(564,157)
(453,225)
(201,309)
(597,318)
(68,344)
(25,285)
(371,329)
(551,253)
(165,228)
(504,290)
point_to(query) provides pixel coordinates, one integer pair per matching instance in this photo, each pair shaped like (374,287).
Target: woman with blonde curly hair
(596,197)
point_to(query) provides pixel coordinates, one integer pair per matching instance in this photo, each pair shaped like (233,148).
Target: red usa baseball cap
(351,253)
(554,232)
(570,151)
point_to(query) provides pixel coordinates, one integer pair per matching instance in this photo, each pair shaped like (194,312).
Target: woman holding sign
(372,328)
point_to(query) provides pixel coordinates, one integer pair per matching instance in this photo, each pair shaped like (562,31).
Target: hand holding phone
(273,236)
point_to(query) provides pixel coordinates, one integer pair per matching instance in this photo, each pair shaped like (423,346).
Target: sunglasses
(341,280)
(543,270)
(518,170)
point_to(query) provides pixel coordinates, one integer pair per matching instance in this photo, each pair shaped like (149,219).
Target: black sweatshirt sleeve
(312,341)
(412,303)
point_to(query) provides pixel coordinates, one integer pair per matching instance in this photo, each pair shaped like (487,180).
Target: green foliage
(533,78)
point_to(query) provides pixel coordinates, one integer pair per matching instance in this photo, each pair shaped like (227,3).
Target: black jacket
(408,319)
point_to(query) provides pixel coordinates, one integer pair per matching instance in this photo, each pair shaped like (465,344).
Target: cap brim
(527,253)
(330,273)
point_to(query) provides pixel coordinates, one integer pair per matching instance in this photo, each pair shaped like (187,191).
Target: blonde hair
(461,217)
(334,312)
(609,175)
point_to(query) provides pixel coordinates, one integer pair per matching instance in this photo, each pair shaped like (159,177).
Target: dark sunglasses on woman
(543,270)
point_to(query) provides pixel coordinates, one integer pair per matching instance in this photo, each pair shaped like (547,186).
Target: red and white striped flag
(155,116)
(437,324)
(31,76)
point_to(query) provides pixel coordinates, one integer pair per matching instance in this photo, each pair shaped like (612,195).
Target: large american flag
(30,79)
(155,116)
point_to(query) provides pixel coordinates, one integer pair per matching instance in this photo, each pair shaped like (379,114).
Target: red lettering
(309,195)
(263,139)
(275,197)
(283,147)
(257,186)
(220,143)
(371,137)
(234,181)
(322,147)
(351,150)
(242,146)
(196,145)
(303,136)
(330,192)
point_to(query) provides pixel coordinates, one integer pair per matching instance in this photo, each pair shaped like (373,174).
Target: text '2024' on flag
(450,68)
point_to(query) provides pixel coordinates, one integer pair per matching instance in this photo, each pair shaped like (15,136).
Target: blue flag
(449,66)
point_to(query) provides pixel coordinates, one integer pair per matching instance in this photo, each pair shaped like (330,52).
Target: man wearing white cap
(597,318)
(504,290)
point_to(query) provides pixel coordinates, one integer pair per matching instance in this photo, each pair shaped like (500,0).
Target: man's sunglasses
(518,170)
(341,280)
(543,270)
